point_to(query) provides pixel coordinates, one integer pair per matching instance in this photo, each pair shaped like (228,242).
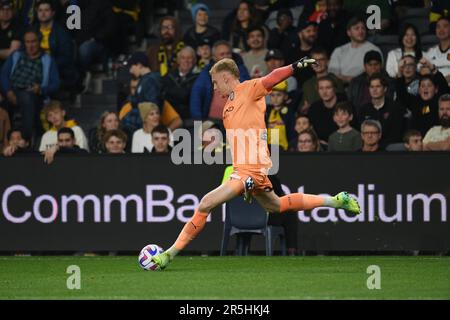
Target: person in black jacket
(201,30)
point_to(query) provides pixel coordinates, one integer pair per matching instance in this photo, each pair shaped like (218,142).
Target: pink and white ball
(146,254)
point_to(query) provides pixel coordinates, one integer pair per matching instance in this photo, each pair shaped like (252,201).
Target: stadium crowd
(362,95)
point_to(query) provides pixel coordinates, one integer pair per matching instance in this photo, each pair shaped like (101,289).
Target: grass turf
(227,278)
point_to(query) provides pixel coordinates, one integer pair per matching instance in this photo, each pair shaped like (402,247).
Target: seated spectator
(409,41)
(347,61)
(115,141)
(439,9)
(280,117)
(162,55)
(66,145)
(309,89)
(57,42)
(358,90)
(196,35)
(108,121)
(148,89)
(302,123)
(320,12)
(413,140)
(55,114)
(204,54)
(308,141)
(254,58)
(28,77)
(142,138)
(160,140)
(274,60)
(359,8)
(178,84)
(18,143)
(408,80)
(321,112)
(371,133)
(389,113)
(439,55)
(285,29)
(5,126)
(205,102)
(10,31)
(332,32)
(438,137)
(345,138)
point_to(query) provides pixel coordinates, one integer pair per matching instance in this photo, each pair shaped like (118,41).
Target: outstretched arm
(280,74)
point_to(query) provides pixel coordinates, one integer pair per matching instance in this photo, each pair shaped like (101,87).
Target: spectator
(18,143)
(408,80)
(332,31)
(245,19)
(160,140)
(371,133)
(108,121)
(178,84)
(425,108)
(302,123)
(163,55)
(409,41)
(55,115)
(205,102)
(358,90)
(274,60)
(56,42)
(321,112)
(413,140)
(196,35)
(300,44)
(285,29)
(345,138)
(439,55)
(142,138)
(279,117)
(5,126)
(309,89)
(28,77)
(320,12)
(359,8)
(381,108)
(148,90)
(115,141)
(96,37)
(347,60)
(308,141)
(66,145)
(10,31)
(439,9)
(254,58)
(438,137)
(204,53)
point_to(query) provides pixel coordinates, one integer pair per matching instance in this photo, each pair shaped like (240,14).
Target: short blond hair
(226,65)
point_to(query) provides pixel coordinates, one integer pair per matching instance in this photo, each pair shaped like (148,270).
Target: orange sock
(300,201)
(191,229)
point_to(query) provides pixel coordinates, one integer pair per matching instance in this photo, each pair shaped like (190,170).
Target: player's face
(415,144)
(111,122)
(65,140)
(202,17)
(376,89)
(370,135)
(277,98)
(302,124)
(255,40)
(342,118)
(152,118)
(160,141)
(444,111)
(115,145)
(326,91)
(219,80)
(56,117)
(45,13)
(427,90)
(357,33)
(305,143)
(443,30)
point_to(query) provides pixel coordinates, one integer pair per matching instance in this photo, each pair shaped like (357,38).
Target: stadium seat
(418,17)
(428,41)
(386,43)
(244,220)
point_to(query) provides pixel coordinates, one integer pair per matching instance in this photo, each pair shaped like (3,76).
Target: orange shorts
(253,181)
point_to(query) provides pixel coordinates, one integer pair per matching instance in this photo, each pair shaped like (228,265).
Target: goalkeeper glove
(303,63)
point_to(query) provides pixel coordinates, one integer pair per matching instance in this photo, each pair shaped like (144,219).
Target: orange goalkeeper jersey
(244,121)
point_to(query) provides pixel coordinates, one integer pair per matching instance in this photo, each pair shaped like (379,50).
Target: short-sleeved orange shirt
(243,118)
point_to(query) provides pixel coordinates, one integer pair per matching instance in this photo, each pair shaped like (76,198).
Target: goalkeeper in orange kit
(244,121)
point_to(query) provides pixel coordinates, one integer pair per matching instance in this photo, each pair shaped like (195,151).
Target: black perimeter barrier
(97,203)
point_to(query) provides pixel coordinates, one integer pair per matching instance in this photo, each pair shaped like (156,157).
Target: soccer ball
(146,254)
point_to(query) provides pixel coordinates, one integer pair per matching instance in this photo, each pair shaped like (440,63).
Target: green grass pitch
(241,278)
